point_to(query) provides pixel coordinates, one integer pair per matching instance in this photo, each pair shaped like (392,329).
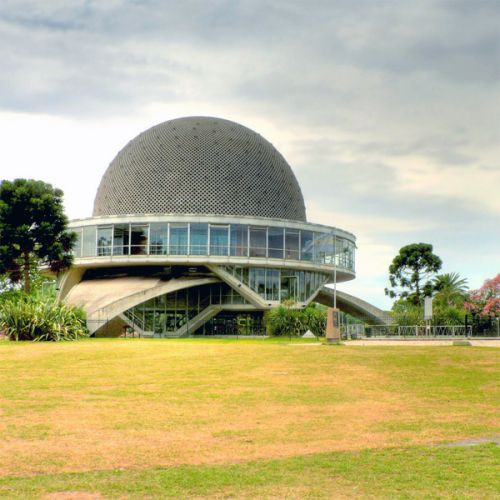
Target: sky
(387,111)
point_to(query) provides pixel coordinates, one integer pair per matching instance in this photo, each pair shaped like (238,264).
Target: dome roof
(200,165)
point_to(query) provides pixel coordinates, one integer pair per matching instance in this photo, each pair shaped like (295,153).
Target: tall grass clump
(286,320)
(37,319)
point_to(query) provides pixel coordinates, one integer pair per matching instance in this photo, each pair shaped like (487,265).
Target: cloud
(387,111)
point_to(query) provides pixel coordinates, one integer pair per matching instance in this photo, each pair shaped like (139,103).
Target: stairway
(202,317)
(136,323)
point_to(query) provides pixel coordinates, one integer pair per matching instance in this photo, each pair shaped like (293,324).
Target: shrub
(405,312)
(279,321)
(31,318)
(448,316)
(315,320)
(285,321)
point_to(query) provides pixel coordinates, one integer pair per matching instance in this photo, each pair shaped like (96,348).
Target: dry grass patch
(97,405)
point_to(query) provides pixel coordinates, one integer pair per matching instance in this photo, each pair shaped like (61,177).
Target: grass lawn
(246,418)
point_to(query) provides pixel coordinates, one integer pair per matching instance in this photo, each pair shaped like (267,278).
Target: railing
(136,320)
(363,331)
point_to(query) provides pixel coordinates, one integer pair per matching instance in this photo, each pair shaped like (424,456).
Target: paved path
(424,342)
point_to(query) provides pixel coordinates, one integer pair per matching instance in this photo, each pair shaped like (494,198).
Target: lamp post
(335,269)
(332,332)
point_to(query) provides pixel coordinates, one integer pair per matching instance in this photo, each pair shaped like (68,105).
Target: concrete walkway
(424,342)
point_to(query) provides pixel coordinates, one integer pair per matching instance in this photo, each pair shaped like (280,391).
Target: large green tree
(411,272)
(33,230)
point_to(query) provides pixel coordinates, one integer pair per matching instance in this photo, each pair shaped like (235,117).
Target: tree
(411,271)
(451,289)
(486,300)
(33,230)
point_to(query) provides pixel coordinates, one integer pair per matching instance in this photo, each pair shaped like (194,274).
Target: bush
(405,313)
(315,319)
(450,315)
(31,318)
(287,321)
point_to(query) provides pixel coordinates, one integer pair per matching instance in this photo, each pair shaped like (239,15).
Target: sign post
(428,314)
(332,332)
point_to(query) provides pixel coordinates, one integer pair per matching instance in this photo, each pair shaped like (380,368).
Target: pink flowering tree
(486,300)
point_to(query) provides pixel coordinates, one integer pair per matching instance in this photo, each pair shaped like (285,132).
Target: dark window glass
(138,239)
(275,242)
(215,293)
(307,284)
(159,239)
(199,239)
(219,240)
(121,239)
(88,241)
(260,282)
(302,293)
(104,238)
(275,284)
(237,298)
(289,286)
(306,245)
(238,273)
(244,274)
(258,242)
(178,239)
(345,253)
(159,320)
(227,295)
(239,240)
(323,248)
(352,256)
(252,278)
(291,244)
(148,320)
(272,284)
(77,246)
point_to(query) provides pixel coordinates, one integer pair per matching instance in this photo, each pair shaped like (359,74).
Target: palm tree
(451,289)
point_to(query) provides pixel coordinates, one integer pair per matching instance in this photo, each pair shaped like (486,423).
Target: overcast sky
(387,111)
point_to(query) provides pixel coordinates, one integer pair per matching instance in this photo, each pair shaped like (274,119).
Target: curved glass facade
(167,313)
(277,285)
(238,240)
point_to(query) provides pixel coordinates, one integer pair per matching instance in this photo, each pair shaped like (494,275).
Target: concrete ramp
(354,306)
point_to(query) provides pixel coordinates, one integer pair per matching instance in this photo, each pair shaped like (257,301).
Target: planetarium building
(199,227)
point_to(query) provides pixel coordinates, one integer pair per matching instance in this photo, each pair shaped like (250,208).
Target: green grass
(416,472)
(245,417)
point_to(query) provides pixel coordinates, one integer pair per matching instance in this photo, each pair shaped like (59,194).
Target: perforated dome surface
(200,165)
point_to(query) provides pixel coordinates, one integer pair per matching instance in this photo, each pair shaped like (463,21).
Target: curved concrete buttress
(354,306)
(69,279)
(104,299)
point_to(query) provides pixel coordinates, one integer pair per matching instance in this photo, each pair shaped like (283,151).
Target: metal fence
(368,331)
(105,328)
(483,326)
